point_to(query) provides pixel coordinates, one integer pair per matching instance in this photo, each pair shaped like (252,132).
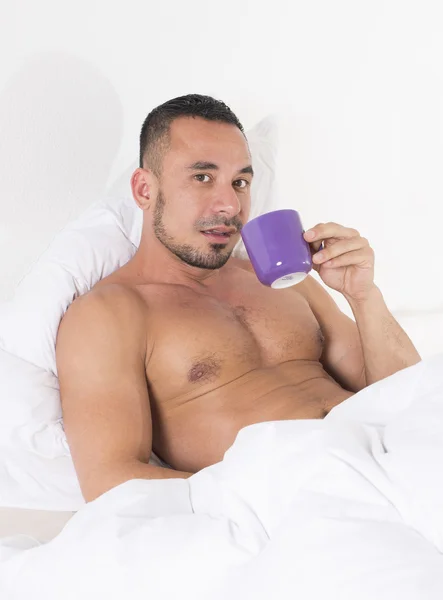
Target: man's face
(205,182)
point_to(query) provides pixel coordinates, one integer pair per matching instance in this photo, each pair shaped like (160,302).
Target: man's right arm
(101,355)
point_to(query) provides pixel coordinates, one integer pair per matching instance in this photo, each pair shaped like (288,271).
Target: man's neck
(150,266)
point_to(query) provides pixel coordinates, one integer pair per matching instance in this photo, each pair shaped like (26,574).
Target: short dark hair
(154,136)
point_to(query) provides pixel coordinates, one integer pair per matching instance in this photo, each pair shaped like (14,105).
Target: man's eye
(243,183)
(201,176)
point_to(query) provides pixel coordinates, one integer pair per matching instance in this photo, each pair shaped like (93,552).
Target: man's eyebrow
(203,166)
(247,169)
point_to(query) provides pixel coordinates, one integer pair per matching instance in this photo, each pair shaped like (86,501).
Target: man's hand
(346,263)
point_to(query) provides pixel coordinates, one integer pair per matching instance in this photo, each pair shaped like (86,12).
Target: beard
(214,259)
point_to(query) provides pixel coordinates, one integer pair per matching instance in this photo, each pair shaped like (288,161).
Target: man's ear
(144,187)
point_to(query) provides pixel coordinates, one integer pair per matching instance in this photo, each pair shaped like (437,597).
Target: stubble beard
(214,259)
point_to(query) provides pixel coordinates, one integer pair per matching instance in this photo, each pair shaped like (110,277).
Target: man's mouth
(218,235)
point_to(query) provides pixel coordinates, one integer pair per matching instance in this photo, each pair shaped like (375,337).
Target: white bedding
(346,507)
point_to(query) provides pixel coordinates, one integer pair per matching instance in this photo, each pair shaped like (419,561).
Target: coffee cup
(278,252)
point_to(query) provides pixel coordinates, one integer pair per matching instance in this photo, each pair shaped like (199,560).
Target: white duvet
(349,507)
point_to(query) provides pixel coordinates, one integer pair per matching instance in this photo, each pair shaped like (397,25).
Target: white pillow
(36,469)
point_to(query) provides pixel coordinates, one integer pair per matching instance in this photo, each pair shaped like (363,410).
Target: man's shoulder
(110,292)
(110,316)
(109,303)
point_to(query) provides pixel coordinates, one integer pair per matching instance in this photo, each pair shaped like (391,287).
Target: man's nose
(227,201)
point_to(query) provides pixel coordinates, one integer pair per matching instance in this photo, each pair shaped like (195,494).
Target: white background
(358,86)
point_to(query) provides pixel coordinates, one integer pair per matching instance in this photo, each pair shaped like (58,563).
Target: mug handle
(322,246)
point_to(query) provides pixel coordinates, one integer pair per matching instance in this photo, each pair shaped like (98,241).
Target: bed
(223,523)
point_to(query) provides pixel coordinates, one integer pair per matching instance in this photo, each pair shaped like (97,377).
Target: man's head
(195,174)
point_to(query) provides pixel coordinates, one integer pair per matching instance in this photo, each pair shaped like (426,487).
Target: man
(182,347)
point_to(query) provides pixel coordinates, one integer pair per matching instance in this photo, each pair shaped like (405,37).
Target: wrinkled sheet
(346,507)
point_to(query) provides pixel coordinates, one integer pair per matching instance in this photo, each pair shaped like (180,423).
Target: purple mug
(281,257)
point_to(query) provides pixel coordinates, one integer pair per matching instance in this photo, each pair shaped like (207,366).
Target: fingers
(339,248)
(323,231)
(362,257)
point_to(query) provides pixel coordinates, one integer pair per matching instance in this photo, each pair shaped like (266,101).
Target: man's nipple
(204,370)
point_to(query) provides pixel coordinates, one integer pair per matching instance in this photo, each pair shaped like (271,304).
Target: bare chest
(200,341)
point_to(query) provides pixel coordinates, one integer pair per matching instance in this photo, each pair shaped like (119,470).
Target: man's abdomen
(197,433)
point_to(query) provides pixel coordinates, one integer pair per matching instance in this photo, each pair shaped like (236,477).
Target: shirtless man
(181,347)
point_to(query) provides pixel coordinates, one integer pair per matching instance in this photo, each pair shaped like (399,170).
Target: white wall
(358,85)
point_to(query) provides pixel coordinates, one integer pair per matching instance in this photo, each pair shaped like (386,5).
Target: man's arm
(358,354)
(346,264)
(101,355)
(342,355)
(386,346)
